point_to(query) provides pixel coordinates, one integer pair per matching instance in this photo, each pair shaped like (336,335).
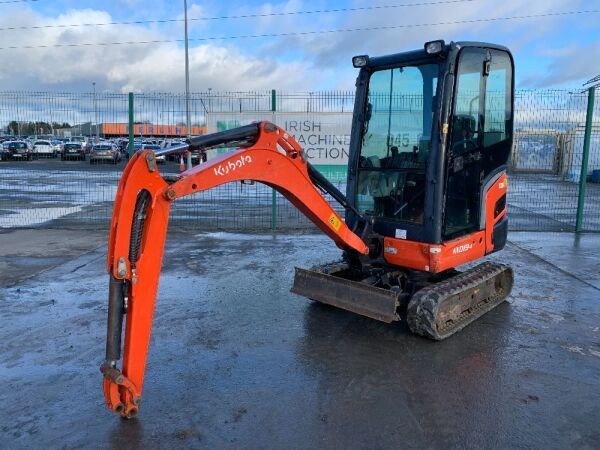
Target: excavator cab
(430,141)
(426,193)
(431,129)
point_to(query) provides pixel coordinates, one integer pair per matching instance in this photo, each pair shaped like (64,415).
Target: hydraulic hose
(321,182)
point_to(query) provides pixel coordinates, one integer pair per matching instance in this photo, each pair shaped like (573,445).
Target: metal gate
(536,151)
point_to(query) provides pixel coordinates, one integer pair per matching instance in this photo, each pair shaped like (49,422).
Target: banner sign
(325,137)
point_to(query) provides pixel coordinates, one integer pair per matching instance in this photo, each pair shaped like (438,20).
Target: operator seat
(463,132)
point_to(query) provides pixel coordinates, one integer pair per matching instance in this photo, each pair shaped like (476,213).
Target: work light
(360,61)
(434,47)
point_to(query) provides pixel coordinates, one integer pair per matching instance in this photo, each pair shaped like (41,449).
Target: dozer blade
(360,298)
(440,310)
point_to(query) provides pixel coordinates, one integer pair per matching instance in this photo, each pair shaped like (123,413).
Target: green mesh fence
(49,192)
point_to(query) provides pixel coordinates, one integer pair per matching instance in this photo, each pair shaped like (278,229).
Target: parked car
(73,150)
(84,141)
(172,156)
(80,139)
(123,145)
(4,153)
(18,150)
(44,148)
(159,159)
(105,151)
(57,145)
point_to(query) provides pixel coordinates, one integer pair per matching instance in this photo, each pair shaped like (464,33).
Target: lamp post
(18,120)
(51,125)
(95,111)
(188,120)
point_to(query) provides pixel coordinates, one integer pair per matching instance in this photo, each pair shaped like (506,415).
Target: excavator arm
(266,154)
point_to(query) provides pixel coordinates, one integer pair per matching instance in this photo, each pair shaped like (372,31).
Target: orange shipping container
(146,129)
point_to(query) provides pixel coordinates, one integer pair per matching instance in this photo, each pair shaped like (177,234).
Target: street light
(95,111)
(18,120)
(187,84)
(51,125)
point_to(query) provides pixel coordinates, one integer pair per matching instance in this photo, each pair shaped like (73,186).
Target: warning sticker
(335,222)
(400,233)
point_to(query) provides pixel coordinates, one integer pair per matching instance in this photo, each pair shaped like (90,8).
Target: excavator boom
(268,155)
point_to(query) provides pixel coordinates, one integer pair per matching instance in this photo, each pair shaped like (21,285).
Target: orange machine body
(276,160)
(436,258)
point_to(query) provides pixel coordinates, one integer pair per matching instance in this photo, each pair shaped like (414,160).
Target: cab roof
(417,56)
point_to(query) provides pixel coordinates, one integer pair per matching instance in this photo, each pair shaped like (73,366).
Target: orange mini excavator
(426,192)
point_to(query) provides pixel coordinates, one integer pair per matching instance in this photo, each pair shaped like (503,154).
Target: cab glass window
(396,142)
(498,109)
(479,138)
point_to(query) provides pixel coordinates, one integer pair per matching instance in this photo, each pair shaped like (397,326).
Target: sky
(555,51)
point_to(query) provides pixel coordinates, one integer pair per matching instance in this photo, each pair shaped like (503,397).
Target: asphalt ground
(26,253)
(74,195)
(237,361)
(70,165)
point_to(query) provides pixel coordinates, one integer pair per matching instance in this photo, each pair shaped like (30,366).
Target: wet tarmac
(238,361)
(76,195)
(24,253)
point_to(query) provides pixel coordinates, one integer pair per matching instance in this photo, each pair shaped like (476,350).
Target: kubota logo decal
(462,248)
(224,169)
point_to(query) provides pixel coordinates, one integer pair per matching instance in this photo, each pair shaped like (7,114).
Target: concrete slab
(575,254)
(26,252)
(238,361)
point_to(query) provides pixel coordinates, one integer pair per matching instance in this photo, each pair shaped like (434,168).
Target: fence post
(584,158)
(273,191)
(130,145)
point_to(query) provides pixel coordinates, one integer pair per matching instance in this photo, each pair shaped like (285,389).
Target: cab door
(480,136)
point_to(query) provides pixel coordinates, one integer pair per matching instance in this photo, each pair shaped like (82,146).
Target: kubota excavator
(426,192)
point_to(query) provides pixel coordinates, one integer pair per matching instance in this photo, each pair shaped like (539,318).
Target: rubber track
(423,307)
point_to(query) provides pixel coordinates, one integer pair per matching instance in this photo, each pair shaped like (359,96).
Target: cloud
(211,66)
(195,11)
(148,67)
(459,21)
(293,63)
(331,47)
(568,64)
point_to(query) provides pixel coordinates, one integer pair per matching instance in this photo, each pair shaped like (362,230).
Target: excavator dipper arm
(139,226)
